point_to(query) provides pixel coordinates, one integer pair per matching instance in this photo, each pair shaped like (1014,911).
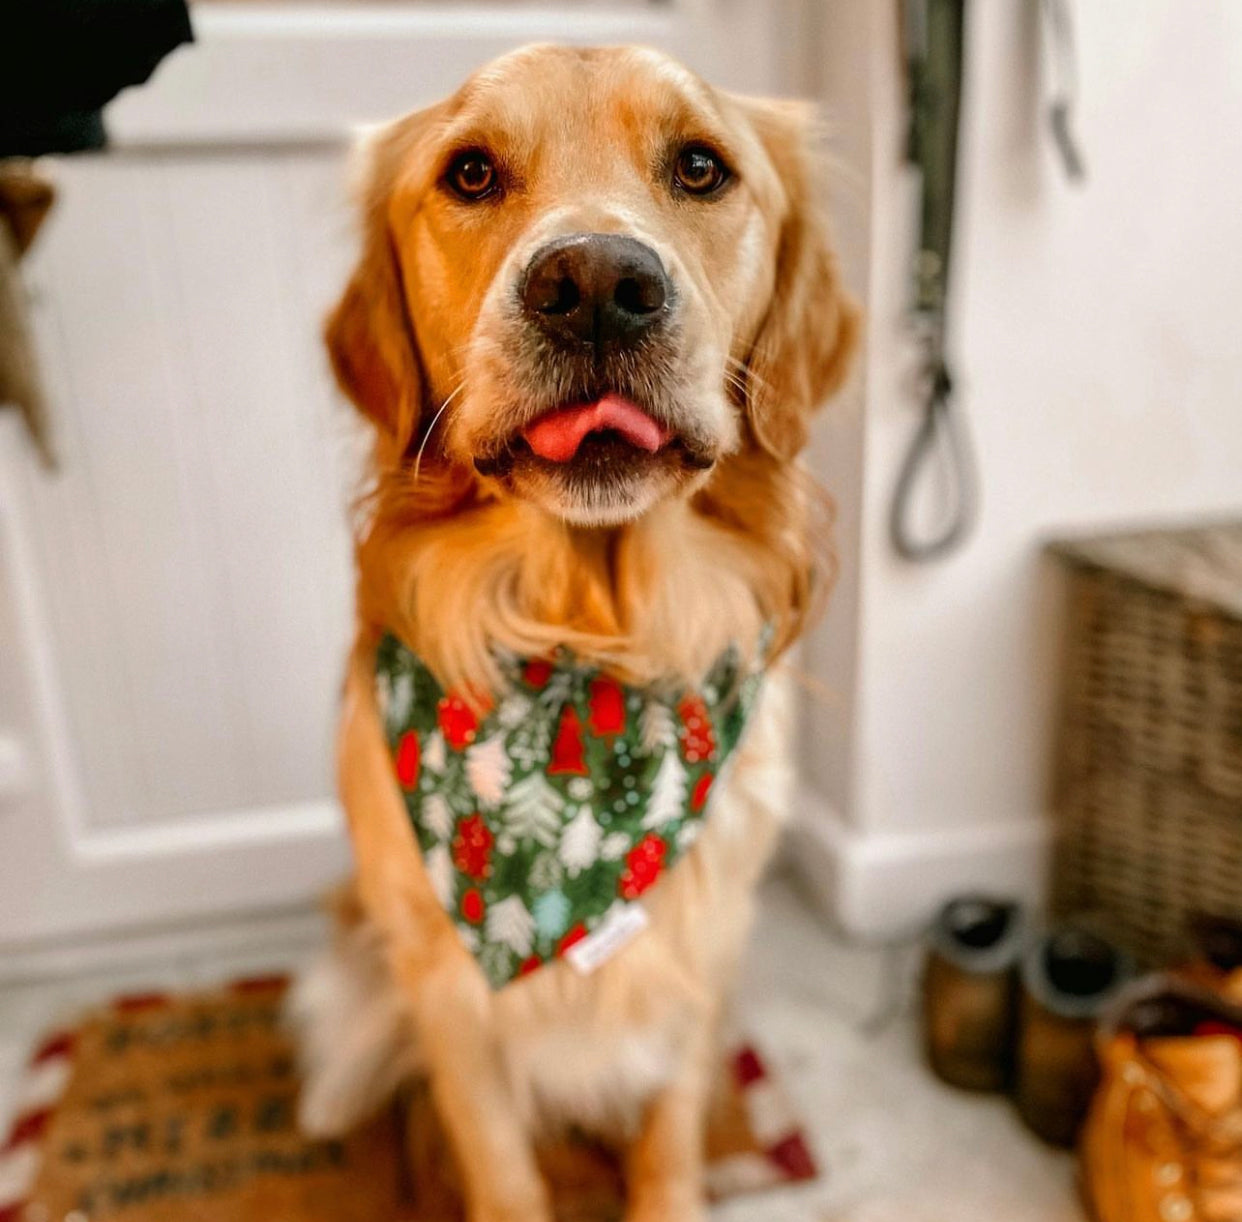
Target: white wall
(841,78)
(1098,348)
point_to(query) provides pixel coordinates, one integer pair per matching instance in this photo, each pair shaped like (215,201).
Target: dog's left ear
(807,338)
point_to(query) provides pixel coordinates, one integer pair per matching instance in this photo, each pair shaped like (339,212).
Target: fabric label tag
(616,932)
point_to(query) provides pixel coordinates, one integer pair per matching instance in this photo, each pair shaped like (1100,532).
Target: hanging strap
(942,429)
(1059,31)
(934,36)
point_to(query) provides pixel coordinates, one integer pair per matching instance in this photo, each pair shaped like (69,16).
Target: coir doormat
(183,1109)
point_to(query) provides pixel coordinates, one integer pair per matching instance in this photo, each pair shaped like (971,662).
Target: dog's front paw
(521,1213)
(686,1212)
(687,1206)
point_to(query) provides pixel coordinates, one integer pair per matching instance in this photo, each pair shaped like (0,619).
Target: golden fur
(425,343)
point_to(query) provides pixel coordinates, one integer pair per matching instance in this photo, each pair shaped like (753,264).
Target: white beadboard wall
(193,548)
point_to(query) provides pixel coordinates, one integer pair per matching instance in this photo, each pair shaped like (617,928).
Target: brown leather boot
(1163,1141)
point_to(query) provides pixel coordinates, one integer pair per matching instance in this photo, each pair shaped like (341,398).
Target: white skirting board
(881,885)
(174,953)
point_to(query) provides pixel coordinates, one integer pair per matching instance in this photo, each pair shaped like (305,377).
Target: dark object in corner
(64,60)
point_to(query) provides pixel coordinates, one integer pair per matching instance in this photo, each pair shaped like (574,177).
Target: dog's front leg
(447,998)
(664,1163)
(495,1154)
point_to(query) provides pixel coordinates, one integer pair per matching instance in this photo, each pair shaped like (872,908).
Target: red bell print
(532,963)
(458,723)
(702,788)
(698,739)
(408,755)
(567,754)
(537,672)
(606,705)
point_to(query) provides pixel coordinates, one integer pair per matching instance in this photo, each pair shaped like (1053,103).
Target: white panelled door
(175,601)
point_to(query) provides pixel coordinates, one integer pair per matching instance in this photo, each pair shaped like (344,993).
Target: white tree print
(546,871)
(495,961)
(489,769)
(614,846)
(440,871)
(557,690)
(514,709)
(668,792)
(396,697)
(656,726)
(437,817)
(433,752)
(510,924)
(533,810)
(580,842)
(529,745)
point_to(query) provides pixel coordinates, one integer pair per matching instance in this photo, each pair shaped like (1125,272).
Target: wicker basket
(1149,765)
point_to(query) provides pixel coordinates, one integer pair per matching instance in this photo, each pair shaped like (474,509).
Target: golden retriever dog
(595,309)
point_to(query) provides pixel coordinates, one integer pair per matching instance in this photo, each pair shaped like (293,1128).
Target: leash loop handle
(943,431)
(934,34)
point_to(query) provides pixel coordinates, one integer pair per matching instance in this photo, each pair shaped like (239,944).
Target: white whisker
(418,458)
(748,375)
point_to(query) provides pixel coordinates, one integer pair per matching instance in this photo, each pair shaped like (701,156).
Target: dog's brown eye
(472,175)
(699,171)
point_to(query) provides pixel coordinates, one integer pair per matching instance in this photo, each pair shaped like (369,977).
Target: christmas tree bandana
(543,817)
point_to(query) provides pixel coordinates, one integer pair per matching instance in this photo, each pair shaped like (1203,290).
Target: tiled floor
(893,1144)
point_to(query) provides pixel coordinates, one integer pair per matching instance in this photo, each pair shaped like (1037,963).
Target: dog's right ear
(369,335)
(808,338)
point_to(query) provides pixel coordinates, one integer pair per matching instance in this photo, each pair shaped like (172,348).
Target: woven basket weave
(1149,764)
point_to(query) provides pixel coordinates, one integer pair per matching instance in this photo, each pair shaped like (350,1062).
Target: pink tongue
(558,435)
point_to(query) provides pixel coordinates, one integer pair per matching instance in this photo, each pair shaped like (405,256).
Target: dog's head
(587,278)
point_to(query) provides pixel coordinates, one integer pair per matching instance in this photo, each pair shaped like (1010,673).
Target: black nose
(596,288)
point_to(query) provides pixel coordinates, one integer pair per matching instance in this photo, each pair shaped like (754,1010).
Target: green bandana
(542,818)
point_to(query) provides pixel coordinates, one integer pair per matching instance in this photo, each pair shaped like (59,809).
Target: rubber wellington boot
(970,992)
(1068,977)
